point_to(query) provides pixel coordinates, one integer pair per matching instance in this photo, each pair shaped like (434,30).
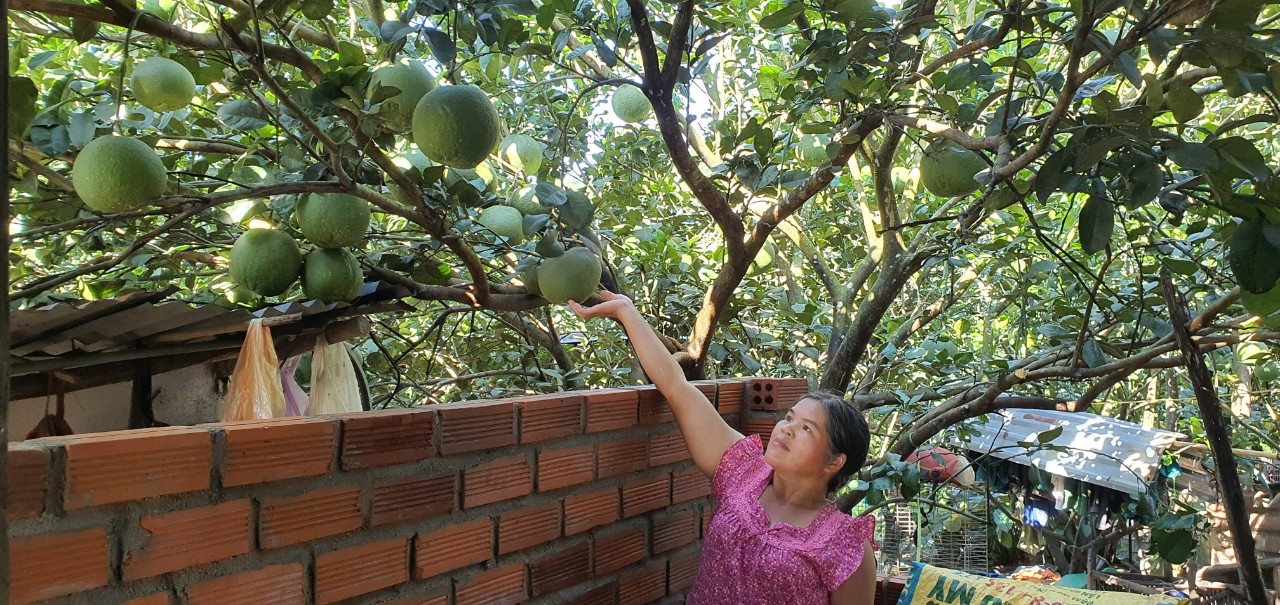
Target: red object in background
(939,465)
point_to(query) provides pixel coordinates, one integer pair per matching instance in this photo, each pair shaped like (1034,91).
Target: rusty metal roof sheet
(1102,451)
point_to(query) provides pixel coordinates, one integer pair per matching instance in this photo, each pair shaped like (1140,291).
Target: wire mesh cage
(949,529)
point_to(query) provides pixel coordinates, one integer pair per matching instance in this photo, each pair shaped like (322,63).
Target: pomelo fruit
(162,84)
(116,174)
(521,152)
(574,275)
(483,172)
(811,151)
(334,220)
(413,80)
(630,104)
(530,279)
(332,276)
(947,169)
(526,201)
(266,261)
(456,126)
(504,221)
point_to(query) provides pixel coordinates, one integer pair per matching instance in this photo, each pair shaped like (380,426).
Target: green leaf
(22,105)
(1185,103)
(782,16)
(350,55)
(1046,437)
(1097,221)
(1239,153)
(1145,183)
(82,129)
(442,46)
(1194,156)
(1254,261)
(549,195)
(242,114)
(1093,355)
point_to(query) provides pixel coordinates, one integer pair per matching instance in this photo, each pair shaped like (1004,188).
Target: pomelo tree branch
(121,15)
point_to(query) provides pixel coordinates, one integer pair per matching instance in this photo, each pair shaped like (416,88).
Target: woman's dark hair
(847,434)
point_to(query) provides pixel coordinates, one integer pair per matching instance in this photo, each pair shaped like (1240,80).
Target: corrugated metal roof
(78,331)
(1102,451)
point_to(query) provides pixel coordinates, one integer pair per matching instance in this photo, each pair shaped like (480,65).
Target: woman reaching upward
(776,536)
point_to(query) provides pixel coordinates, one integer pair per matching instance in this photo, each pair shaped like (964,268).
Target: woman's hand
(613,307)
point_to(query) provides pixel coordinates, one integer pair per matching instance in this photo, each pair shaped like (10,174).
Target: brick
(565,467)
(674,531)
(414,500)
(159,598)
(439,600)
(28,481)
(386,438)
(359,570)
(167,543)
(667,449)
(316,514)
(707,514)
(758,425)
(501,586)
(452,547)
(48,566)
(681,572)
(775,394)
(499,480)
(606,594)
(708,390)
(688,485)
(612,409)
(560,570)
(643,585)
(622,457)
(525,527)
(476,426)
(274,585)
(585,511)
(653,408)
(644,495)
(547,417)
(275,450)
(730,395)
(123,466)
(619,550)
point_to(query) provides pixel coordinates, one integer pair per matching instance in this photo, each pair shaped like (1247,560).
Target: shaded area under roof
(82,345)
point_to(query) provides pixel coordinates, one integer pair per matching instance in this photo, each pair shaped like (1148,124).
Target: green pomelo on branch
(549,246)
(811,151)
(529,278)
(162,84)
(117,174)
(947,169)
(574,275)
(456,126)
(521,152)
(332,276)
(482,172)
(526,201)
(266,261)
(630,104)
(413,81)
(334,220)
(504,221)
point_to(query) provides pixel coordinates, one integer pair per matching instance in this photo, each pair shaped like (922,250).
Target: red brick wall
(583,497)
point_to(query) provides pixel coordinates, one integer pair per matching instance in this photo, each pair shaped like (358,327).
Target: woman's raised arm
(705,433)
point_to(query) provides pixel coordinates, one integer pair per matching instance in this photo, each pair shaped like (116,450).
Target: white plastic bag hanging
(254,392)
(295,399)
(334,387)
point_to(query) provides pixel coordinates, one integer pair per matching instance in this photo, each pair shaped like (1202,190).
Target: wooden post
(1219,436)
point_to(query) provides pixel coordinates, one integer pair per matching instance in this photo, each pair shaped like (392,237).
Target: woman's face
(799,443)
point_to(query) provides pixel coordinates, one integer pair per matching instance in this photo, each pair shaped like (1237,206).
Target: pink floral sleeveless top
(746,562)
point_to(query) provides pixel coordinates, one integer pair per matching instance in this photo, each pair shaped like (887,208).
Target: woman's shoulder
(841,532)
(742,458)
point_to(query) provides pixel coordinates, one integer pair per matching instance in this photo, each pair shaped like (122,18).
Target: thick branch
(464,295)
(123,16)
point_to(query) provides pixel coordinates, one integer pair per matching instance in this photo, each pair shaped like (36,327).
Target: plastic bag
(254,392)
(295,399)
(334,386)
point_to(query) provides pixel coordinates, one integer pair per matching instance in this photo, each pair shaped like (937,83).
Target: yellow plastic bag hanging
(255,392)
(334,387)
